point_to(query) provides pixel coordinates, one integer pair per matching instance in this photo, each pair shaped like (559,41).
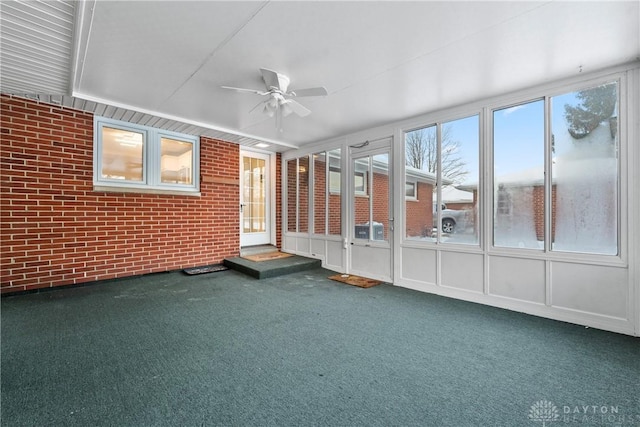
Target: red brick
(56,231)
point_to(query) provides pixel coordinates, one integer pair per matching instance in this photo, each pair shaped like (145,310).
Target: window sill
(169,192)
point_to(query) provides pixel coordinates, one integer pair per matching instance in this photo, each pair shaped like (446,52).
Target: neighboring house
(518,199)
(457,199)
(419,198)
(583,174)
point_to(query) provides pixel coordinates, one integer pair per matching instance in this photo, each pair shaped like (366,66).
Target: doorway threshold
(257,249)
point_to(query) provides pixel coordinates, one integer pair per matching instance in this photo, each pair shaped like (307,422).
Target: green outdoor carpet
(300,350)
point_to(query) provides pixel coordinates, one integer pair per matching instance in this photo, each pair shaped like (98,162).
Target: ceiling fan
(280,102)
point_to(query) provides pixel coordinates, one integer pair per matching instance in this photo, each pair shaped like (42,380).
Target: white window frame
(546,96)
(414,196)
(151,161)
(361,190)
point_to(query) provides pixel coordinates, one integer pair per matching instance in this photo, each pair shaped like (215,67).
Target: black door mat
(205,269)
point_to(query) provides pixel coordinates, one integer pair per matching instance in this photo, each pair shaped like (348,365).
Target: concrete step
(272,268)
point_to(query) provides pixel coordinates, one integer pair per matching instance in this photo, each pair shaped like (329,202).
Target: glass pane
(122,154)
(254,195)
(420,158)
(292,195)
(176,161)
(410,189)
(460,177)
(380,197)
(360,200)
(303,194)
(518,176)
(320,192)
(360,182)
(585,172)
(335,201)
(246,194)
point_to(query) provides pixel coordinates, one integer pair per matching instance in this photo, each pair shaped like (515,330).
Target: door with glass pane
(370,195)
(254,199)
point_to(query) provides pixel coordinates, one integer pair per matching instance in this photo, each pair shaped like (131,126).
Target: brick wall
(335,214)
(292,186)
(538,211)
(303,194)
(278,200)
(55,230)
(460,206)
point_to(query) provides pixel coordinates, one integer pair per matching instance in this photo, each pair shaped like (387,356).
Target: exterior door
(255,212)
(371,222)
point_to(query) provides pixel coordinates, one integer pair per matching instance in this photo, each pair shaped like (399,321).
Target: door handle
(241,207)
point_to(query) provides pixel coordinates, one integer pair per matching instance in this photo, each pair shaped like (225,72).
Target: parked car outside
(450,218)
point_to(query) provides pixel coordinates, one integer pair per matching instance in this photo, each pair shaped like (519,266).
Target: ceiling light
(268,111)
(129,139)
(262,145)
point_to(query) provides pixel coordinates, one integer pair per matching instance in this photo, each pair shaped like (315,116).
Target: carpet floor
(300,350)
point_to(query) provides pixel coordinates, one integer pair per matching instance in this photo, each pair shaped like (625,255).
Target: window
(460,170)
(334,209)
(360,182)
(326,195)
(122,155)
(176,161)
(303,194)
(292,195)
(139,158)
(371,214)
(298,194)
(574,206)
(320,192)
(447,156)
(421,150)
(518,176)
(584,125)
(410,190)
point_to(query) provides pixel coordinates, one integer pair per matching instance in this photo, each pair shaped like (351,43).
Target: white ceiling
(163,62)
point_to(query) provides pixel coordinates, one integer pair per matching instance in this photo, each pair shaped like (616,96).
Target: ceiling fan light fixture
(269,111)
(286,110)
(279,103)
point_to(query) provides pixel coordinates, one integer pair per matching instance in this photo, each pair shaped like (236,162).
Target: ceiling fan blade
(296,107)
(239,89)
(274,79)
(312,91)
